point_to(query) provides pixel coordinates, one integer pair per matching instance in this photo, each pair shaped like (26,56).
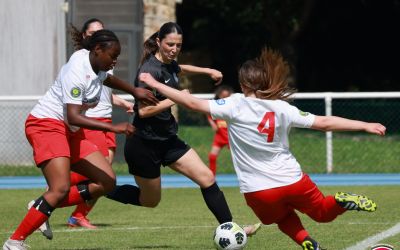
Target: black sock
(216,202)
(83,189)
(43,206)
(127,194)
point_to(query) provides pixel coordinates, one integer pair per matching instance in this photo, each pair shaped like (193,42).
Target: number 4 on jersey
(270,130)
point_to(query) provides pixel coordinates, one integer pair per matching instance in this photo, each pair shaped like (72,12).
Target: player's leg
(190,165)
(105,141)
(270,207)
(307,198)
(56,173)
(144,162)
(102,178)
(212,157)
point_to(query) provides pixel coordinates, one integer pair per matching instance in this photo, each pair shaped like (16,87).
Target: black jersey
(163,125)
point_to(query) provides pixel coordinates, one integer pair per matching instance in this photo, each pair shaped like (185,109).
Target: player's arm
(75,117)
(190,69)
(141,94)
(335,123)
(212,123)
(122,103)
(152,110)
(181,97)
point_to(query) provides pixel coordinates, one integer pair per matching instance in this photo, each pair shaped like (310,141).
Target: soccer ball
(229,236)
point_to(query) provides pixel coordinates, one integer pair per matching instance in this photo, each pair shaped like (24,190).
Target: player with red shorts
(259,122)
(53,130)
(221,130)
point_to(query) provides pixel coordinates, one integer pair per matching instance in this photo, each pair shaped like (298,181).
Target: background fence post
(329,146)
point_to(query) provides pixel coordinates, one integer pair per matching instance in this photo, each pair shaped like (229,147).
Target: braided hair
(104,38)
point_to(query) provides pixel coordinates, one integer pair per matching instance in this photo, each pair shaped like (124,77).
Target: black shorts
(145,157)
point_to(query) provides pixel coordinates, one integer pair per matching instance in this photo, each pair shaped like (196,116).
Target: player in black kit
(155,141)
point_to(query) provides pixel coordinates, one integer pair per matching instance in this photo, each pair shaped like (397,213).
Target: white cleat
(45,227)
(15,245)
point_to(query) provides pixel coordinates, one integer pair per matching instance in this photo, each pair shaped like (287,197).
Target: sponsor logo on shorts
(382,247)
(76,92)
(220,101)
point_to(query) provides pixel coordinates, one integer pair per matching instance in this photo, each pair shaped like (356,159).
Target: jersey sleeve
(298,118)
(147,68)
(73,85)
(221,108)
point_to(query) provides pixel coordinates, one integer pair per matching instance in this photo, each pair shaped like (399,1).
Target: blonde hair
(267,76)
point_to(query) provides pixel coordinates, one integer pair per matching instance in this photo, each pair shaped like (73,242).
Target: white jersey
(76,83)
(258,136)
(104,108)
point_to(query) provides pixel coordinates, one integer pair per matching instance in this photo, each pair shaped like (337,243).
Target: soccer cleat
(15,245)
(251,230)
(310,244)
(45,227)
(80,222)
(355,202)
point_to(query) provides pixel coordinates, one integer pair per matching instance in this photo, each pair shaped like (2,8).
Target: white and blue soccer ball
(229,236)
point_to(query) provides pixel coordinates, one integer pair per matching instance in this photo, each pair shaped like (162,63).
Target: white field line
(370,241)
(100,228)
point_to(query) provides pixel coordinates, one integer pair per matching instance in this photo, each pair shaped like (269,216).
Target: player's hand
(145,96)
(129,107)
(216,76)
(123,128)
(375,128)
(148,79)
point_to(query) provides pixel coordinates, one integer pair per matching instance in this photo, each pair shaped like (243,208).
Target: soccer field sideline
(224,180)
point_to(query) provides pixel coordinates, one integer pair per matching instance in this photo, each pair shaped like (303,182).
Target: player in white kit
(59,145)
(105,140)
(259,121)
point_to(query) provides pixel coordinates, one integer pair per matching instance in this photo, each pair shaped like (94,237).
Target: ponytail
(149,47)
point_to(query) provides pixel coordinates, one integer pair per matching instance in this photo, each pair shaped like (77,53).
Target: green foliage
(182,221)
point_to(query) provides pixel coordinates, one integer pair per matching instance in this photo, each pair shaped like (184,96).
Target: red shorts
(104,140)
(48,138)
(220,140)
(273,205)
(81,146)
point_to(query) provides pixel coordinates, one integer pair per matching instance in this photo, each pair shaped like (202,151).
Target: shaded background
(331,45)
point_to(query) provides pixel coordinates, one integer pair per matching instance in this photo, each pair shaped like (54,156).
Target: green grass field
(353,153)
(182,221)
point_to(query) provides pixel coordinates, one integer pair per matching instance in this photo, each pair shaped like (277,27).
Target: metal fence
(337,151)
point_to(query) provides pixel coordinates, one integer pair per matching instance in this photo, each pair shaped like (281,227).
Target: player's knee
(59,192)
(150,203)
(108,185)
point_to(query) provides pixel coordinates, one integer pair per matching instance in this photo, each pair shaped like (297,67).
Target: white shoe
(15,245)
(251,230)
(45,227)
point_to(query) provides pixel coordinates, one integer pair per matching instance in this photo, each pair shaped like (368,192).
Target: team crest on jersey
(382,247)
(302,113)
(220,101)
(76,92)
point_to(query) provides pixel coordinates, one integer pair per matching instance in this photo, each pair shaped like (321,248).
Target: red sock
(213,163)
(82,210)
(291,226)
(73,198)
(32,221)
(76,178)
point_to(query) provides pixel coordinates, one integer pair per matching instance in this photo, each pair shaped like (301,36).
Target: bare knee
(206,179)
(108,186)
(151,203)
(59,192)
